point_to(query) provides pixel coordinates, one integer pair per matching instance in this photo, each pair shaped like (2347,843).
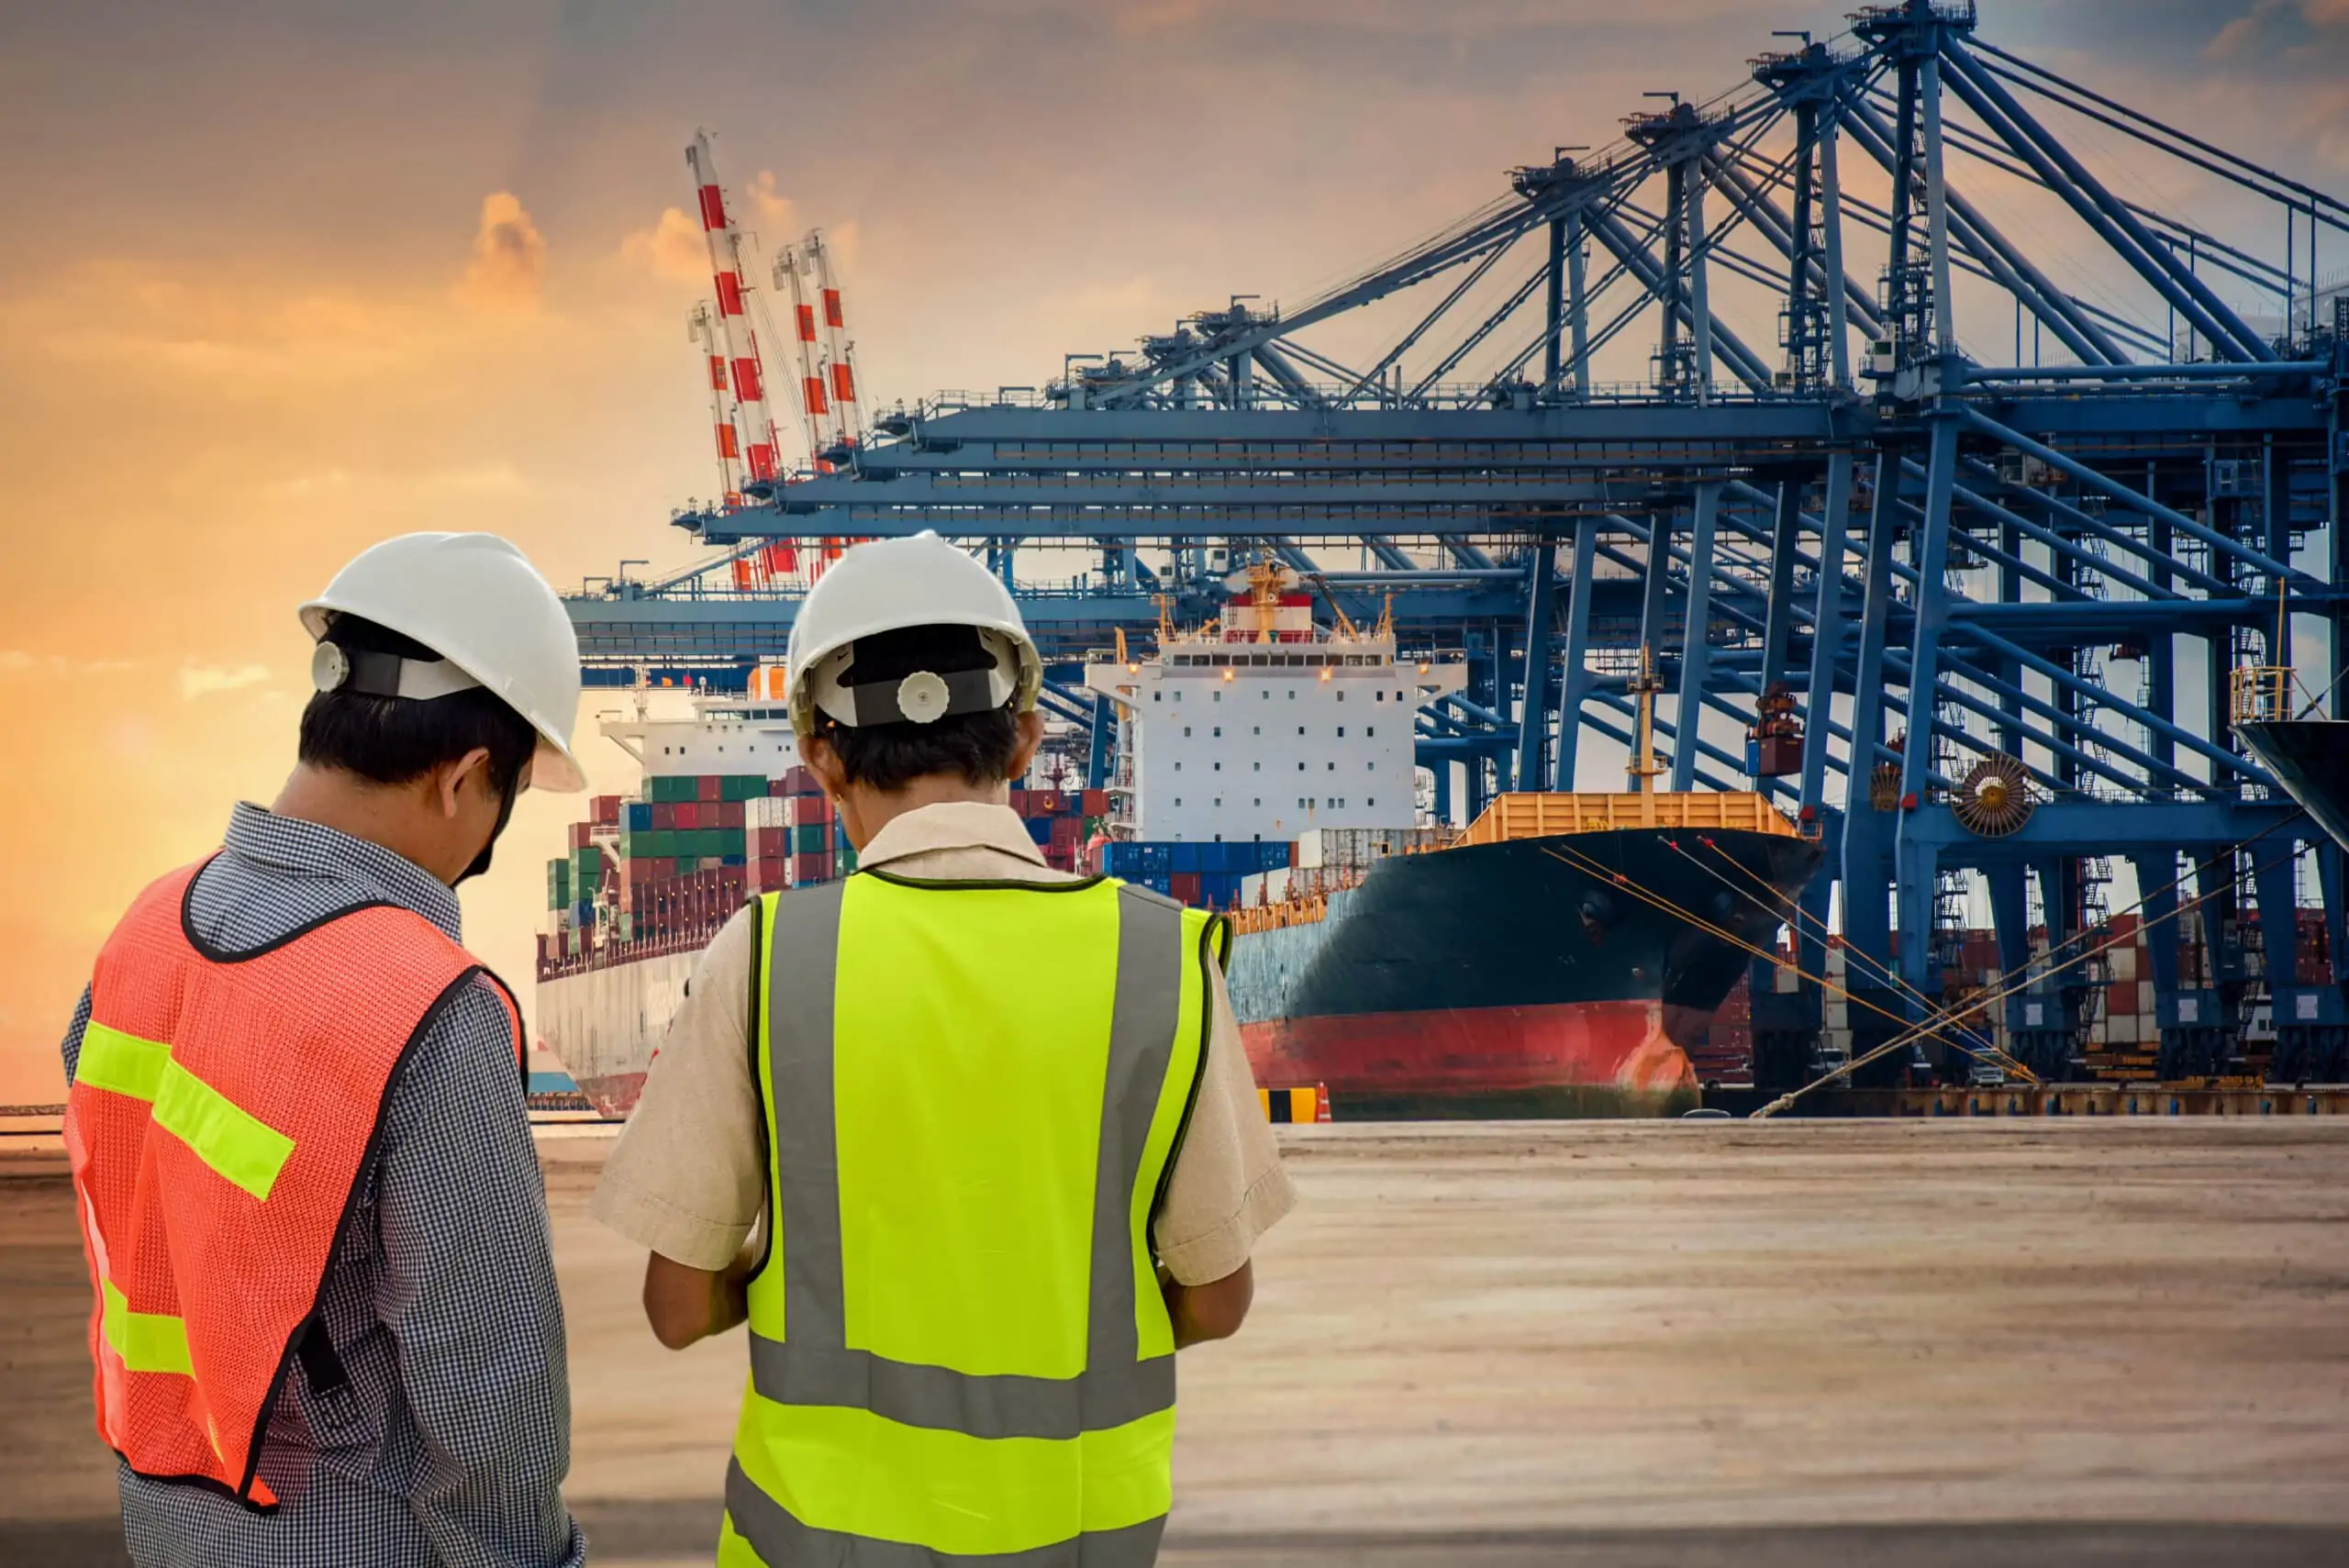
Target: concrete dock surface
(1609,1345)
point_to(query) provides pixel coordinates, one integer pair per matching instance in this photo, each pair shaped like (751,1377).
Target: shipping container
(558,883)
(636,816)
(816,837)
(1096,803)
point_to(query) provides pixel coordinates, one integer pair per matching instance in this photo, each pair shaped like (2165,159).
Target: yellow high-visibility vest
(972,1096)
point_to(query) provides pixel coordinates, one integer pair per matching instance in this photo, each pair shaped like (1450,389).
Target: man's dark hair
(397,740)
(978,747)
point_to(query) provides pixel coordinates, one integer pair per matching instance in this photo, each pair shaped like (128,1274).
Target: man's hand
(685,1304)
(1211,1311)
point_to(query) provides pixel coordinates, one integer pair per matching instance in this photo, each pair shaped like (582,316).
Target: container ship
(1558,957)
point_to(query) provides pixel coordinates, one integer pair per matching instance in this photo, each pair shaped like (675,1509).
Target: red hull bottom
(612,1096)
(1562,1058)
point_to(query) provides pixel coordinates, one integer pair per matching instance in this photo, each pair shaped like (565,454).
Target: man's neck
(383,815)
(864,811)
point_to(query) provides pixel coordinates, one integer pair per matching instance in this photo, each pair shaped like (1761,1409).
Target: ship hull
(1523,978)
(2310,758)
(605,1023)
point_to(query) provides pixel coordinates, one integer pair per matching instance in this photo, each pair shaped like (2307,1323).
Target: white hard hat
(892,585)
(477,601)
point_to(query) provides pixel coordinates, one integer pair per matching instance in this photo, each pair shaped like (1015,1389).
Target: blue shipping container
(636,816)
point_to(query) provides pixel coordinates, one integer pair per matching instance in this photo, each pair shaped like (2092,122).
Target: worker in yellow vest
(986,1129)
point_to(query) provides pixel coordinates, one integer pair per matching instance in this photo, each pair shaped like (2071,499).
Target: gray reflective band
(783,1541)
(804,967)
(815,1364)
(994,1406)
(1141,1039)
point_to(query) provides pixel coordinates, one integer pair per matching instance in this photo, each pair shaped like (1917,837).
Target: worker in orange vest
(324,1320)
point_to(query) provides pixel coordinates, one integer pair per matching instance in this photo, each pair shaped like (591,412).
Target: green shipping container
(558,883)
(589,866)
(741,786)
(628,928)
(811,837)
(674,787)
(732,841)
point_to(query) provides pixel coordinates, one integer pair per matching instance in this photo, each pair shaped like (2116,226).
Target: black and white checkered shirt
(449,1443)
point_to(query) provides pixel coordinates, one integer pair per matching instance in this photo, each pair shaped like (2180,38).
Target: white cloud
(672,248)
(17,662)
(202,680)
(509,256)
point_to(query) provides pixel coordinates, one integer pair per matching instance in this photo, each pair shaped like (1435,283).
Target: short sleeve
(688,1178)
(1228,1187)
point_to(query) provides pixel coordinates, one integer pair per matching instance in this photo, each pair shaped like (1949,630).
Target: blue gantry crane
(1956,549)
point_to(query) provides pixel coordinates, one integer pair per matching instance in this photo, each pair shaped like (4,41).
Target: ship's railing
(1546,816)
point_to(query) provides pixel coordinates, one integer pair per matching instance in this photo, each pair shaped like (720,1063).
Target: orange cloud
(672,248)
(509,256)
(773,208)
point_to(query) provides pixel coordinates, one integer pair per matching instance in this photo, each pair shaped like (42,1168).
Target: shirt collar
(289,844)
(952,825)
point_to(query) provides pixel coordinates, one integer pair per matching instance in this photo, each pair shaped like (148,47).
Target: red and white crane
(739,342)
(701,327)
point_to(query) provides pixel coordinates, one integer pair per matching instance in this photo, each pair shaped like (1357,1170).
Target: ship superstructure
(1265,726)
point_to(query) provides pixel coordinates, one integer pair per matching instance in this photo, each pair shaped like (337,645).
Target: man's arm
(1210,1311)
(72,1046)
(685,1304)
(1226,1190)
(469,1294)
(688,1178)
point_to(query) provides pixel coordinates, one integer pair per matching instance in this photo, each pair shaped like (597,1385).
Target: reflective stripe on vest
(219,1117)
(959,1349)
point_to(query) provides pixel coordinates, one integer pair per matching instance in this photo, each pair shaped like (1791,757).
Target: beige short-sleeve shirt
(688,1178)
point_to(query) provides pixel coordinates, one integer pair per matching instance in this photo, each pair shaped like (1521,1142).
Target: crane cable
(1911,1036)
(1986,1049)
(1597,869)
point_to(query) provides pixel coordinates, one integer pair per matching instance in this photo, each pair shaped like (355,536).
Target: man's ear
(449,779)
(1031,735)
(816,755)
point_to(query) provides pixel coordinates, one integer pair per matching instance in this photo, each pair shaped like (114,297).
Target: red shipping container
(1045,803)
(761,843)
(709,787)
(810,868)
(798,781)
(605,810)
(809,810)
(664,815)
(1096,803)
(729,814)
(1184,886)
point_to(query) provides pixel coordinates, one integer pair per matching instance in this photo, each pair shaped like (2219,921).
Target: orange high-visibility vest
(224,1106)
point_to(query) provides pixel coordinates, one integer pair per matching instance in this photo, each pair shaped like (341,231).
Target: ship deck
(1606,1345)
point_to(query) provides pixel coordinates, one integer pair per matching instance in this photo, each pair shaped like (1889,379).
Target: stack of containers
(792,828)
(1209,876)
(1059,821)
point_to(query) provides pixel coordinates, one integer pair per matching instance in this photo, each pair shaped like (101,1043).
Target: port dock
(1611,1344)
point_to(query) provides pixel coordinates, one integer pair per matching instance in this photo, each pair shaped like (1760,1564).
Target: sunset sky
(277,281)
